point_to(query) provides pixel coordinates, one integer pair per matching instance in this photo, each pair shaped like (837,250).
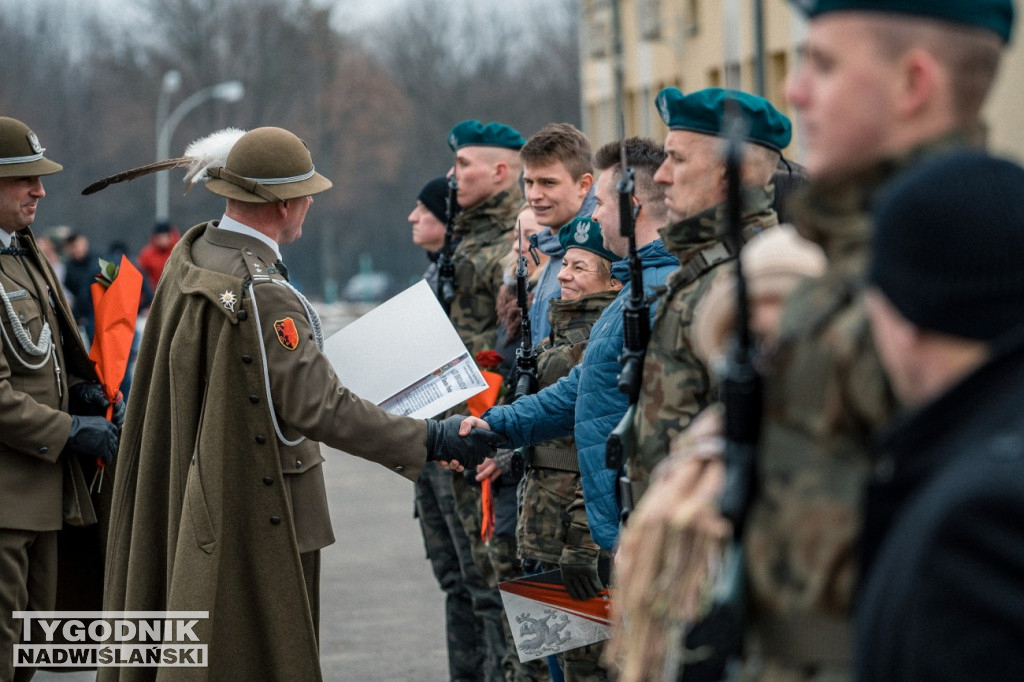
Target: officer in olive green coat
(50,405)
(676,384)
(220,505)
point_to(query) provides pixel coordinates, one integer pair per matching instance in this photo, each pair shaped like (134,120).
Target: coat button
(254,399)
(267,480)
(43,450)
(247,359)
(242,314)
(274,520)
(298,464)
(260,438)
(21,317)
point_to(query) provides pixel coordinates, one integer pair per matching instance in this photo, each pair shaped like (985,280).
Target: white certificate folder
(406,356)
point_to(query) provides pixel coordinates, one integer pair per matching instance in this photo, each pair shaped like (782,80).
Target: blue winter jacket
(587,403)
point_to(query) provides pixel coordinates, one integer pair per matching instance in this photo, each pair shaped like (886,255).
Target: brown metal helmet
(20,153)
(267,165)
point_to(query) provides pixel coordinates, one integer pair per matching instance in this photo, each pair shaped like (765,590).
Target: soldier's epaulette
(259,271)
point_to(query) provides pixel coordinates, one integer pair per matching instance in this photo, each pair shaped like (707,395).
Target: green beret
(992,15)
(473,133)
(702,112)
(585,233)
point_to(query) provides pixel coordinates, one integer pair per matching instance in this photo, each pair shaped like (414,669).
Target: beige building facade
(683,43)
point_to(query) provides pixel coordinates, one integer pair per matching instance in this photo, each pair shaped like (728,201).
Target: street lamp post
(229,91)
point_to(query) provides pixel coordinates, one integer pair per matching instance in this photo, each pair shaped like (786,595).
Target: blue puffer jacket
(587,403)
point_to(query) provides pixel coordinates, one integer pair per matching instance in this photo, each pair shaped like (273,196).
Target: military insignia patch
(33,142)
(662,103)
(228,299)
(582,233)
(287,334)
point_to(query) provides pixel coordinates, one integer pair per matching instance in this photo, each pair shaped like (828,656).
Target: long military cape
(193,525)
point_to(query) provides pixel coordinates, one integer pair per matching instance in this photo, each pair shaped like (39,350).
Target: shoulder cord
(314,320)
(42,349)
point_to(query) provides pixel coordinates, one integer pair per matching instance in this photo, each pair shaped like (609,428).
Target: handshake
(458,439)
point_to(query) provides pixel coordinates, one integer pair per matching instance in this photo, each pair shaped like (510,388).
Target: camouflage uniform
(676,384)
(825,395)
(484,232)
(552,520)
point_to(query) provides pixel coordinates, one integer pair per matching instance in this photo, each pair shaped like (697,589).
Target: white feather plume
(210,152)
(200,156)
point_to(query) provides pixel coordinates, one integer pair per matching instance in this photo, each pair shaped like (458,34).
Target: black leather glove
(581,580)
(445,443)
(93,436)
(88,399)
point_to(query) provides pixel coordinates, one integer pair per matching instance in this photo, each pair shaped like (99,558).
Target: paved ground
(382,615)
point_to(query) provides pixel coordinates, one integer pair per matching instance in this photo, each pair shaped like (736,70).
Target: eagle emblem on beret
(582,233)
(663,107)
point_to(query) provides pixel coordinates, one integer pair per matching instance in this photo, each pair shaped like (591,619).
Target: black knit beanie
(948,246)
(433,196)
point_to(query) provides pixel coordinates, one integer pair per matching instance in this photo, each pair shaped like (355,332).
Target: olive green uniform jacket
(485,238)
(676,385)
(34,419)
(216,494)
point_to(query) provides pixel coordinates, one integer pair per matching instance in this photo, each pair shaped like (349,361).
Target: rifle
(526,357)
(741,383)
(445,264)
(636,327)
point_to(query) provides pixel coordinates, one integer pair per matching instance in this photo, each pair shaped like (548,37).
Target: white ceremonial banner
(406,356)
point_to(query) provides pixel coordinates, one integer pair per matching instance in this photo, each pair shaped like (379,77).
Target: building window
(597,33)
(691,24)
(649,19)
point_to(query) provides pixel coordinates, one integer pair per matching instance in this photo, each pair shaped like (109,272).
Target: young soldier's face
(19,198)
(553,194)
(844,92)
(476,174)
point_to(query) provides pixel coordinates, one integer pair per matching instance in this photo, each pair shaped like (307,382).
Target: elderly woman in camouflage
(552,529)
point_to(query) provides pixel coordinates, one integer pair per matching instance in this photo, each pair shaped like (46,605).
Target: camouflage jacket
(825,396)
(553,519)
(676,385)
(484,234)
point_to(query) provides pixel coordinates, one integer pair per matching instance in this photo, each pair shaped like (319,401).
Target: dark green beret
(473,133)
(585,233)
(993,15)
(702,112)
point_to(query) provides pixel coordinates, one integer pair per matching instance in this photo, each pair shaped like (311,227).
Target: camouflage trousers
(451,560)
(486,599)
